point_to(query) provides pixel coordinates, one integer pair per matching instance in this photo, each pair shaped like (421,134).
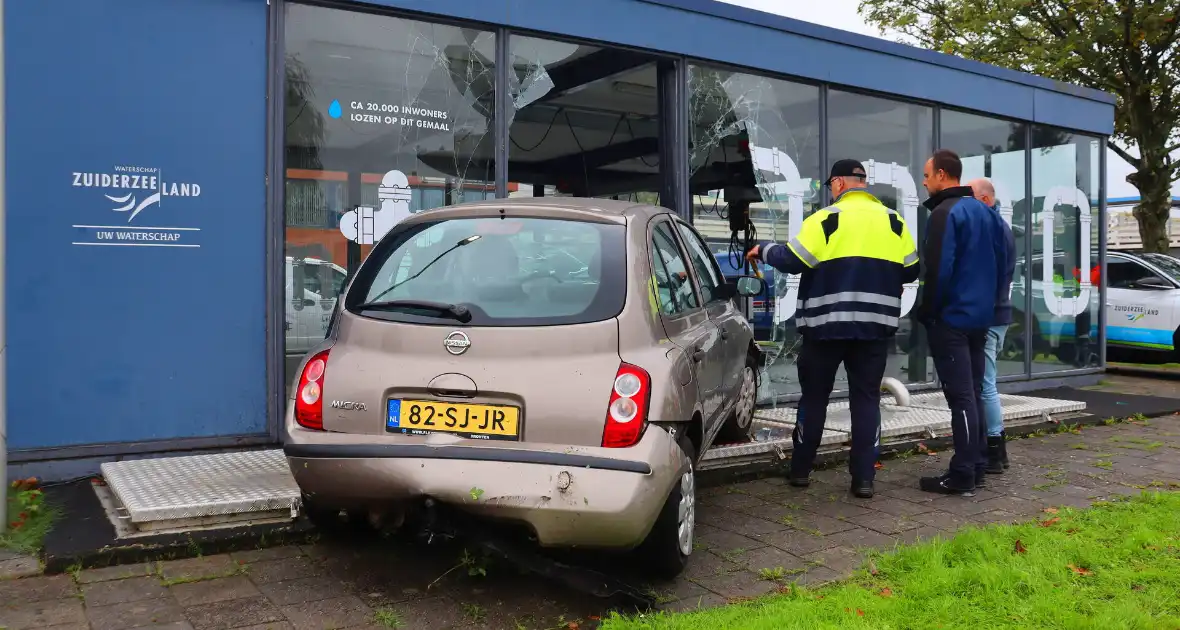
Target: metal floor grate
(202,486)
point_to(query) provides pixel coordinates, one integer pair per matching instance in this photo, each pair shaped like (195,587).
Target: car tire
(739,426)
(326,520)
(667,547)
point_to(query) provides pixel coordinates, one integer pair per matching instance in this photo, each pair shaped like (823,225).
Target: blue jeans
(993,415)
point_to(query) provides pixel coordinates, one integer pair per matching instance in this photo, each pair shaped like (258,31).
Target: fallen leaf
(922,448)
(886,592)
(860,613)
(1050,510)
(872,567)
(878,465)
(1137,587)
(573,625)
(1051,522)
(1020,548)
(594,618)
(1080,570)
(1071,531)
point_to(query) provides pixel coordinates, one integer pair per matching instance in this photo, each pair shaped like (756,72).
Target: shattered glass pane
(584,121)
(755,141)
(384,117)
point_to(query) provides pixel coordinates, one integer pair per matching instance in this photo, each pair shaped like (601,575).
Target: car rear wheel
(670,542)
(739,427)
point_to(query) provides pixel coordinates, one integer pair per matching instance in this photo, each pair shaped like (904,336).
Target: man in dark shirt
(963,267)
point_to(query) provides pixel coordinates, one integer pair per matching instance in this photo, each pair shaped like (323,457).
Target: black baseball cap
(846,168)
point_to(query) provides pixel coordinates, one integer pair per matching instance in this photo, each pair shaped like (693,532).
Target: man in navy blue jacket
(964,260)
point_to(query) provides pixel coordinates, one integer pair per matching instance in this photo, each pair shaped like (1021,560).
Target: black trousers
(864,362)
(959,359)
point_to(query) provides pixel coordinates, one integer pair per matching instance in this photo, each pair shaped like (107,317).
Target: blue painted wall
(710,30)
(157,332)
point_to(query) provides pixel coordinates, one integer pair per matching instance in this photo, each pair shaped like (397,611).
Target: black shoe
(862,489)
(799,482)
(1004,449)
(946,484)
(995,457)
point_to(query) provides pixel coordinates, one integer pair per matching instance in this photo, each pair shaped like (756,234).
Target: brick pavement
(753,537)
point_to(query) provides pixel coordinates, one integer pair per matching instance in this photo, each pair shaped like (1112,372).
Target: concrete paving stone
(41,614)
(233,614)
(146,612)
(722,541)
(736,585)
(36,589)
(430,613)
(861,538)
(1168,467)
(945,521)
(817,576)
(202,568)
(1015,505)
(913,495)
(799,542)
(839,510)
(211,591)
(284,569)
(734,502)
(894,506)
(1000,517)
(118,572)
(772,559)
(270,553)
(123,591)
(19,567)
(842,560)
(708,564)
(307,589)
(703,601)
(338,612)
(821,524)
(747,525)
(925,533)
(962,506)
(277,625)
(885,523)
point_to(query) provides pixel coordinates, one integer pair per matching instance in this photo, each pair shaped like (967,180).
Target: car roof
(580,208)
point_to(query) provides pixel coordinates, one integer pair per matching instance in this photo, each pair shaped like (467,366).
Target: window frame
(668,220)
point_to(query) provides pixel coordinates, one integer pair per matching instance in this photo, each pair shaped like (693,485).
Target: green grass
(29,519)
(1112,566)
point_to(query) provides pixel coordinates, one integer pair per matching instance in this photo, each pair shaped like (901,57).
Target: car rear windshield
(495,272)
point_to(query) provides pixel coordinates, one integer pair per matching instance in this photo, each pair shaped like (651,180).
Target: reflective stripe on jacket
(854,257)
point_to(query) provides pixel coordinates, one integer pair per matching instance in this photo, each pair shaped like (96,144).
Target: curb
(1166,375)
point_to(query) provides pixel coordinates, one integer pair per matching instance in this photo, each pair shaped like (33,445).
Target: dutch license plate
(481,422)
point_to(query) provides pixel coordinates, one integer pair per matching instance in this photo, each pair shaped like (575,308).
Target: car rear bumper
(570,496)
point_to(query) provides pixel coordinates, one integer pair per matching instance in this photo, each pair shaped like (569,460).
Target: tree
(1130,48)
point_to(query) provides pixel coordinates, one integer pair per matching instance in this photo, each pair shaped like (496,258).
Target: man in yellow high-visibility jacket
(854,256)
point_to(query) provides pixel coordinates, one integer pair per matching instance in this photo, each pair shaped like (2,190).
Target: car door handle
(724,334)
(698,354)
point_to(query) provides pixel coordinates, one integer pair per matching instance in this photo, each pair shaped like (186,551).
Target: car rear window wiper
(454,311)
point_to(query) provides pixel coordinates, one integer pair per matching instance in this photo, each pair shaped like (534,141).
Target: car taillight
(626,416)
(309,396)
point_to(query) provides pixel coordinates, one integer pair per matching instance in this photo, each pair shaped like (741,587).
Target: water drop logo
(334,109)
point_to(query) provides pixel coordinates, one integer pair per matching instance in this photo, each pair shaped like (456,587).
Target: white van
(312,285)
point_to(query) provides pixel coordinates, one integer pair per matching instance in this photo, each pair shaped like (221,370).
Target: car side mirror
(750,286)
(1152,282)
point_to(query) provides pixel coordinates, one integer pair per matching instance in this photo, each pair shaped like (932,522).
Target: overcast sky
(842,14)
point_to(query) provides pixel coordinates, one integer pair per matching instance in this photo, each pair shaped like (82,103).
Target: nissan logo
(457,342)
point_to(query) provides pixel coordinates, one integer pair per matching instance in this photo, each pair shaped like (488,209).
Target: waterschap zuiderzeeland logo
(1134,317)
(136,206)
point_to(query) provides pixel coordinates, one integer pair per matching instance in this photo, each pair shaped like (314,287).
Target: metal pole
(3,306)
